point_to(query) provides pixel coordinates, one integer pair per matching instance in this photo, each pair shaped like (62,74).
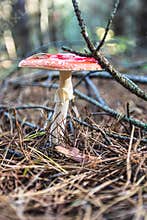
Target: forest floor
(97,171)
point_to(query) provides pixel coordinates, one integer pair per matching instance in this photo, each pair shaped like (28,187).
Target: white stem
(63,95)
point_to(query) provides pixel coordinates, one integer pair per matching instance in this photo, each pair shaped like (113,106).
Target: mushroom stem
(63,95)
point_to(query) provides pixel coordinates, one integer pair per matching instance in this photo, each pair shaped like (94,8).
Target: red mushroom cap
(60,61)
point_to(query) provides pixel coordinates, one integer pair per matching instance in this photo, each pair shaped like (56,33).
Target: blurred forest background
(29,26)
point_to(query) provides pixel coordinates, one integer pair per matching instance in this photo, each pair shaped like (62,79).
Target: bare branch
(22,122)
(22,107)
(108,24)
(95,91)
(75,52)
(82,26)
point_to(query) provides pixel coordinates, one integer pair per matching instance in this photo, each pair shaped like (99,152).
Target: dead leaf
(75,154)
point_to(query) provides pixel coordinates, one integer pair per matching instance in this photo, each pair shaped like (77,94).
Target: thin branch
(81,80)
(110,134)
(125,138)
(12,153)
(22,107)
(103,75)
(82,26)
(132,65)
(23,123)
(95,91)
(40,84)
(108,25)
(76,52)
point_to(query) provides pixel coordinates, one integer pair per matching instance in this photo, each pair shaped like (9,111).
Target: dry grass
(89,176)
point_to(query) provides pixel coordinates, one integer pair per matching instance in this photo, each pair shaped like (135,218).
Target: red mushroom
(65,63)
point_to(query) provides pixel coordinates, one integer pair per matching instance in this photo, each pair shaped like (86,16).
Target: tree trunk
(142,24)
(20,30)
(119,20)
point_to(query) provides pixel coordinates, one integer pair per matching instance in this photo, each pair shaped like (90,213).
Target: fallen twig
(95,91)
(23,123)
(22,107)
